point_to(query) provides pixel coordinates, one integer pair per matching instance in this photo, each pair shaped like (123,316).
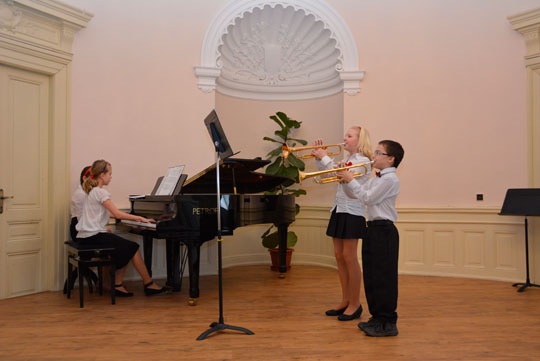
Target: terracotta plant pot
(274,255)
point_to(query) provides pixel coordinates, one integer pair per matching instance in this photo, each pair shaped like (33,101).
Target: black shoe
(335,312)
(152,291)
(370,322)
(381,329)
(346,317)
(122,293)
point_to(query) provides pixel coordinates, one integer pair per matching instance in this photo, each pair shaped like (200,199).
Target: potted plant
(288,168)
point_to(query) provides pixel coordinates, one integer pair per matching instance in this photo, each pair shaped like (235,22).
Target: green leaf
(291,239)
(275,119)
(297,209)
(282,133)
(272,140)
(301,141)
(272,240)
(290,123)
(273,153)
(295,162)
(291,172)
(267,231)
(274,168)
(296,192)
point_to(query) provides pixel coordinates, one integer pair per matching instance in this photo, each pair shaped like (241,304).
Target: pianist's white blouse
(77,202)
(94,216)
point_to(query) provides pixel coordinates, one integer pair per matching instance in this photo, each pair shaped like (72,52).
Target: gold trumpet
(304,175)
(286,150)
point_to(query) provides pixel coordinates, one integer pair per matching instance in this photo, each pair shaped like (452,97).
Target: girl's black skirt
(124,249)
(346,226)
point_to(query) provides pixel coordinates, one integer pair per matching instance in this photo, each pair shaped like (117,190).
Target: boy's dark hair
(393,149)
(85,172)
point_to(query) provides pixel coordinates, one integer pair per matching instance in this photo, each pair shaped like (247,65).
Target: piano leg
(174,279)
(148,245)
(194,252)
(283,229)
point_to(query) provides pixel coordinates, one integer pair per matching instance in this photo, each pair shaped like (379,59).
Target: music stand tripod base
(524,285)
(215,326)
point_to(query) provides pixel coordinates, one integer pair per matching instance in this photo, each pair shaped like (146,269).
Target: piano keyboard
(139,224)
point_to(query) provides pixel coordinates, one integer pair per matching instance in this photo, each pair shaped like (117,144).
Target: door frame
(47,51)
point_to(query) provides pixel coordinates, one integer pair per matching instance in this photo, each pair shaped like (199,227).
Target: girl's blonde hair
(364,142)
(98,167)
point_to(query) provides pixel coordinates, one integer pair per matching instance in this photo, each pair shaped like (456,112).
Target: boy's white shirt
(379,194)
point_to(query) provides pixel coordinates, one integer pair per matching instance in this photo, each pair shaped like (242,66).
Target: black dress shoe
(336,312)
(346,317)
(122,293)
(152,291)
(381,329)
(371,322)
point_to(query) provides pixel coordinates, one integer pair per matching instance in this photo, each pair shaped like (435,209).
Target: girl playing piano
(97,209)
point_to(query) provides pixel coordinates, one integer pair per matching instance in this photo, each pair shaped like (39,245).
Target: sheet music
(170,180)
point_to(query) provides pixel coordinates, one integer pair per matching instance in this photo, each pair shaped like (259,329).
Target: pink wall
(445,78)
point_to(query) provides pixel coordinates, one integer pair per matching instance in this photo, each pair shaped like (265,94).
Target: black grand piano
(190,217)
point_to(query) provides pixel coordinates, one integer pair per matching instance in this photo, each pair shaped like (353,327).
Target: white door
(24,121)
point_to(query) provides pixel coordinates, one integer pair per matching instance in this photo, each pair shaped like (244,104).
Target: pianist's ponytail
(98,167)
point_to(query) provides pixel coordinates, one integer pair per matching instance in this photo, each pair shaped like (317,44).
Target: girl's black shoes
(336,312)
(346,317)
(152,291)
(122,293)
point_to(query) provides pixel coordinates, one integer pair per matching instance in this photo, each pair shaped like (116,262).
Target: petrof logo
(203,211)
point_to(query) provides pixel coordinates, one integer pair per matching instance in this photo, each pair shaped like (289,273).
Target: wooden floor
(439,319)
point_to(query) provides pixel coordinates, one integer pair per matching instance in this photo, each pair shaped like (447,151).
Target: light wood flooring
(439,319)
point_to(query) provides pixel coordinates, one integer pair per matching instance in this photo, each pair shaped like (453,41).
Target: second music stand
(523,202)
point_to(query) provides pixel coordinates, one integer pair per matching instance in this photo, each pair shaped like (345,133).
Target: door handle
(2,200)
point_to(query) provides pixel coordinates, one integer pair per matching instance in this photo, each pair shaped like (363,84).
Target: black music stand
(224,149)
(523,202)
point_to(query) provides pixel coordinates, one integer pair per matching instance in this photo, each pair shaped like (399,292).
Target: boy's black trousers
(380,251)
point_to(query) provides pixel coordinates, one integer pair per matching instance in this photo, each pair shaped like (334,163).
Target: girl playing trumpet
(347,223)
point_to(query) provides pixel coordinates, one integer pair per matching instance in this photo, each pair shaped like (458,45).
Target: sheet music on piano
(169,181)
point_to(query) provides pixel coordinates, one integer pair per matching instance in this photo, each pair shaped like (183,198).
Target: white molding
(40,28)
(209,69)
(40,41)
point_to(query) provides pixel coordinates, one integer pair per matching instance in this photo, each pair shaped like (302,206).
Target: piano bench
(82,257)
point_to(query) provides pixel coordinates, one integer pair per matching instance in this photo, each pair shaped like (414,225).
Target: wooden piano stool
(85,256)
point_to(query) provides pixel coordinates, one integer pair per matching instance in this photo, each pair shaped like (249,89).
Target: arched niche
(279,50)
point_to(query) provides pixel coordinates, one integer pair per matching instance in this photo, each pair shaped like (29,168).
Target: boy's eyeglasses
(379,153)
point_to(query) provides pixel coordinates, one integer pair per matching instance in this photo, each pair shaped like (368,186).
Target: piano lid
(234,172)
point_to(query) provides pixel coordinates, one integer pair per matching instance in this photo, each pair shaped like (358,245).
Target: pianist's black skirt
(346,226)
(124,249)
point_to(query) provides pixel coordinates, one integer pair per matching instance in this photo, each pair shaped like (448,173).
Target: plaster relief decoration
(282,50)
(10,16)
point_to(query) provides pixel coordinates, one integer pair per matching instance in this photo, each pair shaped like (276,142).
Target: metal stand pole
(220,325)
(528,281)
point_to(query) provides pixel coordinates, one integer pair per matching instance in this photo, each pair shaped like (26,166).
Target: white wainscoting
(453,242)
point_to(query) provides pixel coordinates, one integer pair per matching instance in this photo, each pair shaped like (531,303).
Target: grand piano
(190,217)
